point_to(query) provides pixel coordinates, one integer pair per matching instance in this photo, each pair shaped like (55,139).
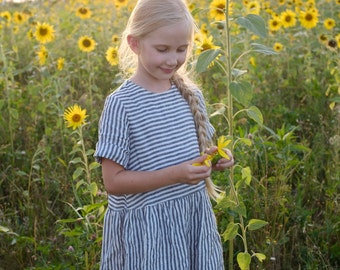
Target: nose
(172,60)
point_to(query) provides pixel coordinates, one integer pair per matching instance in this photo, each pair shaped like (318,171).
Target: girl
(151,133)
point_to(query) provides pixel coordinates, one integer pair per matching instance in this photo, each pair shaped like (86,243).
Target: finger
(211,150)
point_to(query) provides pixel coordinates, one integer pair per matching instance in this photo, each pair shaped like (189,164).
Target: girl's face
(160,54)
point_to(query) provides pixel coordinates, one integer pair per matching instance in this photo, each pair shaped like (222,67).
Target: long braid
(200,120)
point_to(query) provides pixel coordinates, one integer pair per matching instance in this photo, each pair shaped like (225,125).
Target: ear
(133,43)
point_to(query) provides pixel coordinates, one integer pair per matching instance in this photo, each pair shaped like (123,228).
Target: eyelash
(165,50)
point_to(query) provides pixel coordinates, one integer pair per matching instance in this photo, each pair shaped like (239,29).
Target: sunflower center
(288,18)
(76,118)
(309,17)
(83,11)
(206,46)
(87,43)
(43,31)
(332,43)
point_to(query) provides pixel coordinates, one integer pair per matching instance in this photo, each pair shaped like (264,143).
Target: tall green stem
(229,114)
(85,160)
(10,124)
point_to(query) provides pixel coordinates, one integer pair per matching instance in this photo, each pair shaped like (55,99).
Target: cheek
(181,59)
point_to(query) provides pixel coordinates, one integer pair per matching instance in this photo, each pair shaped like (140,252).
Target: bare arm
(119,181)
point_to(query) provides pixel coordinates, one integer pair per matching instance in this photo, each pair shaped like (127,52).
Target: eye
(182,49)
(162,49)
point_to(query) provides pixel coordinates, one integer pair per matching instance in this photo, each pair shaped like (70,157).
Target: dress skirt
(176,234)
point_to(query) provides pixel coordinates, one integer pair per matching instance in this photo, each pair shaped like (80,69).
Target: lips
(167,70)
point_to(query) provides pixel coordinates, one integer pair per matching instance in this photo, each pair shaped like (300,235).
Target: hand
(193,174)
(222,163)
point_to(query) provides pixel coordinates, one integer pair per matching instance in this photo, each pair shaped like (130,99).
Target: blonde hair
(147,16)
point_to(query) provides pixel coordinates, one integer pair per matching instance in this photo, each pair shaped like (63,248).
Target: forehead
(178,33)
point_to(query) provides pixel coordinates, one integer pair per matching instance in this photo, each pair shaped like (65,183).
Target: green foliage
(280,206)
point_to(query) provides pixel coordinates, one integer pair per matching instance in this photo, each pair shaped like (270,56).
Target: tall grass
(287,169)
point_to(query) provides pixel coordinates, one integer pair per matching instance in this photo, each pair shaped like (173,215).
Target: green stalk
(229,116)
(85,160)
(10,125)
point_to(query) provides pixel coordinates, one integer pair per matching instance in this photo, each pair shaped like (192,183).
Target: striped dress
(171,228)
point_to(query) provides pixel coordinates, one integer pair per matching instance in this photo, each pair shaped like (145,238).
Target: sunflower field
(270,72)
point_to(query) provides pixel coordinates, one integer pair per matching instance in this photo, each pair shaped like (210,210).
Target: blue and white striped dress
(169,228)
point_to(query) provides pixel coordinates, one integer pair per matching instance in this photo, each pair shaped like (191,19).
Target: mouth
(168,70)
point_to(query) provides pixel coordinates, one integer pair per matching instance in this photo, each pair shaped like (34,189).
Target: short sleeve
(113,133)
(210,128)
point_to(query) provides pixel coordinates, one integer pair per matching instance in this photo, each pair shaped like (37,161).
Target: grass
(287,169)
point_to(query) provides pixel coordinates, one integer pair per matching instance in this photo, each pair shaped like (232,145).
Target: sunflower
(86,44)
(329,23)
(252,61)
(30,34)
(218,9)
(337,2)
(323,38)
(206,43)
(337,38)
(308,19)
(332,45)
(278,47)
(288,18)
(275,24)
(112,56)
(120,3)
(222,143)
(60,63)
(44,33)
(115,39)
(83,13)
(254,7)
(206,162)
(75,116)
(19,17)
(42,55)
(7,17)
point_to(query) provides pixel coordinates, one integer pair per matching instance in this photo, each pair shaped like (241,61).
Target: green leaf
(335,99)
(4,229)
(68,220)
(224,203)
(243,260)
(261,257)
(255,224)
(79,183)
(241,91)
(256,47)
(205,59)
(230,232)
(62,162)
(238,72)
(90,152)
(240,209)
(93,188)
(77,173)
(75,160)
(94,165)
(253,23)
(220,111)
(246,174)
(91,207)
(255,114)
(245,141)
